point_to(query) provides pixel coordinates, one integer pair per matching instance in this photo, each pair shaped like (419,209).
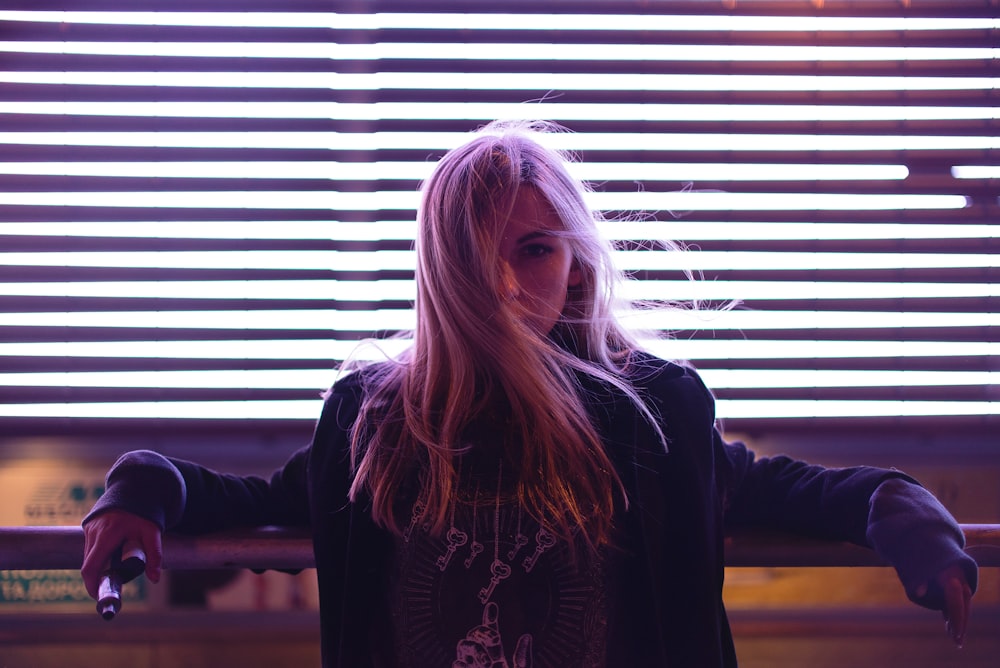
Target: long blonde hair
(471,353)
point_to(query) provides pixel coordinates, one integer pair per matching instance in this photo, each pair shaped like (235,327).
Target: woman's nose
(509,287)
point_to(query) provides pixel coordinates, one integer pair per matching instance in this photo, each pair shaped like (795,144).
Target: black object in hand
(127,563)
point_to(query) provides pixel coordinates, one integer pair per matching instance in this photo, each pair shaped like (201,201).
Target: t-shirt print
(496,590)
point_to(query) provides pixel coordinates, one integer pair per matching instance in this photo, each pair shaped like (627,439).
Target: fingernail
(954,635)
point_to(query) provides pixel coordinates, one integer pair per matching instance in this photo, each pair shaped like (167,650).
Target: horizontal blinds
(203,213)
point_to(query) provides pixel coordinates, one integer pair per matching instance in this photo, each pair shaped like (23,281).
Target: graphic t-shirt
(496,590)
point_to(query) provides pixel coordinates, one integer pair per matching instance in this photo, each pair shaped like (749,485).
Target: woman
(525,486)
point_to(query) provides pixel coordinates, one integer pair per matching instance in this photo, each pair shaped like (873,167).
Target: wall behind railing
(280,610)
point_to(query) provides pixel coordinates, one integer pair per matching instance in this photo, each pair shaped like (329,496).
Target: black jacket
(681,502)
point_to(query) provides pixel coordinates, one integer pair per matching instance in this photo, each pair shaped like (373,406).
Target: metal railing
(44,548)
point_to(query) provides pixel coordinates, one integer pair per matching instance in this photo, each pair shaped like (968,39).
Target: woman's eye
(535,250)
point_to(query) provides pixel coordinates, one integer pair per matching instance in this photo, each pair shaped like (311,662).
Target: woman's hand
(107,532)
(957,601)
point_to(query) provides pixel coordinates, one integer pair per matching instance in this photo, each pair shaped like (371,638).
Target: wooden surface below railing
(44,548)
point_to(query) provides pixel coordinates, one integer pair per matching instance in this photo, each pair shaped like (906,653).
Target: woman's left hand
(957,601)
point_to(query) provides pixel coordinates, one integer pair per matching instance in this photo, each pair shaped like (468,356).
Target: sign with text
(48,493)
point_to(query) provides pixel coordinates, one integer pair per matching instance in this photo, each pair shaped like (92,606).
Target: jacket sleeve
(879,508)
(786,494)
(147,484)
(913,531)
(779,492)
(186,497)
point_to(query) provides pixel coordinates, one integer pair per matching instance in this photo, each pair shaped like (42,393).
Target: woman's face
(538,267)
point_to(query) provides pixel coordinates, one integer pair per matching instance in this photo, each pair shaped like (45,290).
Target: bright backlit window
(203,213)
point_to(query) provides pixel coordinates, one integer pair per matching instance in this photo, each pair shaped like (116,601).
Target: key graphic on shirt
(520,540)
(474,551)
(543,541)
(418,510)
(456,538)
(500,571)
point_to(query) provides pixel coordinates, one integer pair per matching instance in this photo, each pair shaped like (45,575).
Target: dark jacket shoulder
(675,388)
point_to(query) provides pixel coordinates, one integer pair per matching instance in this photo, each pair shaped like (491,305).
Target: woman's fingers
(957,602)
(109,531)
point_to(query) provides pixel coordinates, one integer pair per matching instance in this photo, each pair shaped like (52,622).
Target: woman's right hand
(108,531)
